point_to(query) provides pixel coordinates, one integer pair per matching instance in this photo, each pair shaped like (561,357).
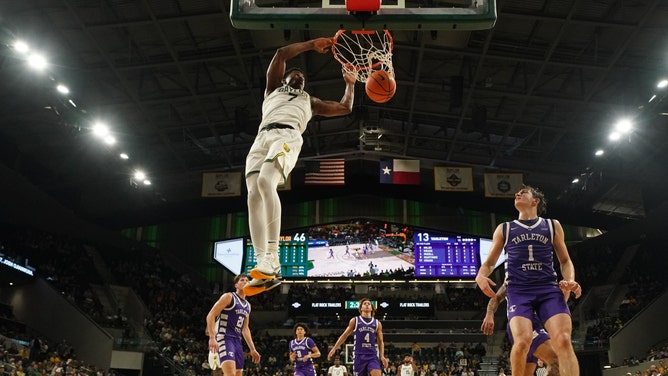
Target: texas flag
(400,171)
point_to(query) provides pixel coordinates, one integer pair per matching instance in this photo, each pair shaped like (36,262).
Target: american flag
(325,172)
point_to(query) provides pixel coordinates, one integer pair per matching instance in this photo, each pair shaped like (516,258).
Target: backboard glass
(393,15)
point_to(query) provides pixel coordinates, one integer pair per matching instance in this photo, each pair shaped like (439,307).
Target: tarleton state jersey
(528,247)
(301,348)
(289,106)
(231,320)
(365,336)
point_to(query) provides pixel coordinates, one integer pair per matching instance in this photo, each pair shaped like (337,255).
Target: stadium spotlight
(662,84)
(599,152)
(37,61)
(575,181)
(147,182)
(100,130)
(124,156)
(140,175)
(623,126)
(614,136)
(62,89)
(109,140)
(21,47)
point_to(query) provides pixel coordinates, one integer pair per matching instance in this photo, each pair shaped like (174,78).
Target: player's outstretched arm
(342,338)
(332,108)
(482,279)
(276,68)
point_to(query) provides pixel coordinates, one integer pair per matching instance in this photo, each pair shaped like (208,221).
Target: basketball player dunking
(286,111)
(531,280)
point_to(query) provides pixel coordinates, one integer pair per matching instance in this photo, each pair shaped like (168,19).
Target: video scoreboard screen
(445,255)
(292,252)
(365,248)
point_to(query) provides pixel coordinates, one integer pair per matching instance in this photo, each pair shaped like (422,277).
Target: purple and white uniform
(530,276)
(229,325)
(364,350)
(538,337)
(301,348)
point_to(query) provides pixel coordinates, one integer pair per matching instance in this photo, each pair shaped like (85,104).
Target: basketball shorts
(230,349)
(280,146)
(544,302)
(364,364)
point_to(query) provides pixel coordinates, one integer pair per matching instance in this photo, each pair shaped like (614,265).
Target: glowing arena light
(21,47)
(62,89)
(624,126)
(109,140)
(140,175)
(37,61)
(575,181)
(599,152)
(614,136)
(662,84)
(124,156)
(147,182)
(100,129)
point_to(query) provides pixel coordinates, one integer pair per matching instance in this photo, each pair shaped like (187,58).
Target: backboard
(392,15)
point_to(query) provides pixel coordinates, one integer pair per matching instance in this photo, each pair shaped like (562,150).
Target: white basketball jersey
(406,370)
(289,106)
(337,371)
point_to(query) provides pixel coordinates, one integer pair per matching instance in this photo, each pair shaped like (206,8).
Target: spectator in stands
(415,348)
(337,369)
(408,367)
(225,333)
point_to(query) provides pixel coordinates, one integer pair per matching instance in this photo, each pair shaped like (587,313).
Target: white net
(363,52)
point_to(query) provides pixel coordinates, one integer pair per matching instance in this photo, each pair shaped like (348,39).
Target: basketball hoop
(363,51)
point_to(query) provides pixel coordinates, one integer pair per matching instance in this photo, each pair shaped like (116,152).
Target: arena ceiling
(182,90)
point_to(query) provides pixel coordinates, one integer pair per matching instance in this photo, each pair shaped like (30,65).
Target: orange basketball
(380,86)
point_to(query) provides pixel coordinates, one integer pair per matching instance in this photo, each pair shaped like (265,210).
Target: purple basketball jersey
(528,247)
(365,336)
(301,348)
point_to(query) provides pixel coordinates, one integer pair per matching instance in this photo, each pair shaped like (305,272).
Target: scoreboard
(445,255)
(292,252)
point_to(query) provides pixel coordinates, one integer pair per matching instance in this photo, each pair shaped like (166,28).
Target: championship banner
(503,185)
(221,184)
(453,179)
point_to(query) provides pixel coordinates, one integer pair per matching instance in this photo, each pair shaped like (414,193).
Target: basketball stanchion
(368,53)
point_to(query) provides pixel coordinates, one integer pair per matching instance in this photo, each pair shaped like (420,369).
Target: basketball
(380,86)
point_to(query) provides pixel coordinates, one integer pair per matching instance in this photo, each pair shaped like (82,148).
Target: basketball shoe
(261,285)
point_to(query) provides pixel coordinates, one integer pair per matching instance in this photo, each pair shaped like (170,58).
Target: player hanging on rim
(286,111)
